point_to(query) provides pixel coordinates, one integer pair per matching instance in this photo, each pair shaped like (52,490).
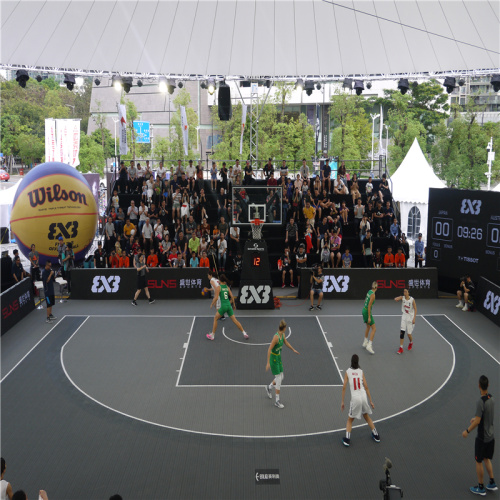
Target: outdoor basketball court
(112,398)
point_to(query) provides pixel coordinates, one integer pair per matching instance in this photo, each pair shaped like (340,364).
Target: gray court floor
(113,398)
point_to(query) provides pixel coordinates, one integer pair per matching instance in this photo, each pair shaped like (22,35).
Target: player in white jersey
(214,282)
(360,395)
(409,309)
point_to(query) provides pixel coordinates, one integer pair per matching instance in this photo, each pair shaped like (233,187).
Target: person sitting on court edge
(465,293)
(317,279)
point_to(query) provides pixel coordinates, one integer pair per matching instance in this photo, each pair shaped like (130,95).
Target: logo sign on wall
(267,476)
(488,299)
(17,302)
(142,132)
(256,294)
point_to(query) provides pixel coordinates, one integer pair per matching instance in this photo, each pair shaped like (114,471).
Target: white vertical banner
(50,139)
(185,129)
(243,121)
(59,156)
(67,128)
(75,144)
(122,115)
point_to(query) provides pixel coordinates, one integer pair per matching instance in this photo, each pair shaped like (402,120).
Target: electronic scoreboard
(463,235)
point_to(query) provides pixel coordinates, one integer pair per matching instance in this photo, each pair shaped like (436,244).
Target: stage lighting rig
(403,85)
(450,84)
(22,77)
(69,80)
(359,87)
(117,83)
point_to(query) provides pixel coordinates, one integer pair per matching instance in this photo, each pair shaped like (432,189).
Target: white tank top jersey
(215,283)
(3,489)
(356,382)
(407,307)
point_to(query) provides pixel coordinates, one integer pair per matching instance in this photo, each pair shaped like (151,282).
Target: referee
(142,269)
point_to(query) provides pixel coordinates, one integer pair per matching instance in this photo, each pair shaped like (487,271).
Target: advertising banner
(122,116)
(488,299)
(354,283)
(16,302)
(243,121)
(142,132)
(185,129)
(118,284)
(62,141)
(50,139)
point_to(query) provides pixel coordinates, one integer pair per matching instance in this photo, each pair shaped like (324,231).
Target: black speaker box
(225,108)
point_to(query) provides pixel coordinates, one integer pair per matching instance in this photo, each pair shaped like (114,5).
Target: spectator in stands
(355,189)
(304,169)
(222,251)
(325,250)
(237,173)
(158,232)
(34,259)
(384,190)
(317,186)
(369,188)
(309,213)
(133,213)
(285,265)
(223,176)
(194,261)
(114,260)
(174,184)
(132,177)
(325,176)
(200,181)
(160,171)
(5,487)
(344,214)
(153,214)
(291,234)
(147,235)
(395,232)
(128,228)
(223,227)
(389,258)
(173,260)
(346,259)
(339,187)
(109,235)
(234,239)
(465,293)
(367,248)
(204,262)
(152,260)
(388,217)
(179,169)
(140,174)
(297,183)
(342,173)
(377,260)
(123,178)
(296,203)
(203,205)
(120,220)
(194,244)
(309,237)
(194,203)
(100,257)
(403,243)
(284,169)
(400,259)
(325,203)
(369,211)
(249,174)
(124,261)
(269,169)
(300,261)
(378,216)
(185,207)
(190,226)
(419,251)
(221,203)
(115,200)
(182,245)
(18,273)
(190,174)
(112,214)
(335,254)
(359,211)
(272,182)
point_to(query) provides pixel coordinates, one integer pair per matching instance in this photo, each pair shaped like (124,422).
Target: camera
(391,491)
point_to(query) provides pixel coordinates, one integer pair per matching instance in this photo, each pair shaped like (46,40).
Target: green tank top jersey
(275,358)
(367,300)
(276,350)
(224,296)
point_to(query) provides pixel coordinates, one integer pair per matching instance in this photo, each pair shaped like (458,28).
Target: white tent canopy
(410,187)
(254,38)
(6,201)
(497,188)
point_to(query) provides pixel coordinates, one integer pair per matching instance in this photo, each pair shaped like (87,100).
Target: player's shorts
(226,309)
(275,364)
(141,282)
(370,321)
(484,450)
(407,325)
(359,406)
(316,291)
(285,268)
(50,300)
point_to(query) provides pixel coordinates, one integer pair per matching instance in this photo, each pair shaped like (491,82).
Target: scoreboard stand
(256,286)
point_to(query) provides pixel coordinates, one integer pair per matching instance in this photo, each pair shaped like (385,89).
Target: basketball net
(256,229)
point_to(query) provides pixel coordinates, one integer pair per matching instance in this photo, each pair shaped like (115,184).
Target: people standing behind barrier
(48,279)
(68,261)
(18,273)
(223,175)
(249,174)
(123,179)
(419,251)
(304,169)
(377,260)
(269,169)
(291,234)
(132,178)
(34,259)
(99,257)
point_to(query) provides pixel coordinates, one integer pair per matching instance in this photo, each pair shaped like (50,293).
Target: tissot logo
(109,284)
(472,207)
(492,302)
(258,294)
(399,284)
(337,284)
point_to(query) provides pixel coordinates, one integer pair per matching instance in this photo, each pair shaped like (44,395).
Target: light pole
(386,142)
(491,159)
(373,117)
(72,109)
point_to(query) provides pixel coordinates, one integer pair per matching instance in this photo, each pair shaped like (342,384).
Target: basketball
(205,291)
(54,200)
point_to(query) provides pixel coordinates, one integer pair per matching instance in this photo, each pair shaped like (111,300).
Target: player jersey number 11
(357,384)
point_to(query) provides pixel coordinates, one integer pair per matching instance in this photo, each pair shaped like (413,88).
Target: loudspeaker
(225,108)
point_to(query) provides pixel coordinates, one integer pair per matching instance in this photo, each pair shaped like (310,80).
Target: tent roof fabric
(497,188)
(252,38)
(414,177)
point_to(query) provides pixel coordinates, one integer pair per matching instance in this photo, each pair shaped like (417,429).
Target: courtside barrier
(117,284)
(354,283)
(16,302)
(488,299)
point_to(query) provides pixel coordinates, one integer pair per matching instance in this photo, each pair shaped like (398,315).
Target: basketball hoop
(256,229)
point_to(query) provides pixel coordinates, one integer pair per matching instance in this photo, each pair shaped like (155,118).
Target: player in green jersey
(274,362)
(368,318)
(226,306)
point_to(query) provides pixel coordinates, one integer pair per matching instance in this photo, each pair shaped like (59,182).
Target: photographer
(465,293)
(317,279)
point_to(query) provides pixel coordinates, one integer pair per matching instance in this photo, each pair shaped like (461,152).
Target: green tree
(183,98)
(91,156)
(31,148)
(104,138)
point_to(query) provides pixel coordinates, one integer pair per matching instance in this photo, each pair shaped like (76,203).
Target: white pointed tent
(497,188)
(410,187)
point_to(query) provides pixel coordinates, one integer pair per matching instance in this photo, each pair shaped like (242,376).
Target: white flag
(243,121)
(185,129)
(50,139)
(122,115)
(75,144)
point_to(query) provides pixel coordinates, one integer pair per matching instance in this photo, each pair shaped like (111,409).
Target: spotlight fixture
(162,84)
(203,84)
(139,83)
(359,87)
(171,86)
(318,86)
(97,82)
(127,84)
(22,77)
(461,82)
(450,84)
(368,85)
(69,80)
(299,84)
(246,83)
(39,78)
(211,86)
(309,87)
(347,84)
(403,85)
(117,82)
(269,83)
(495,82)
(180,85)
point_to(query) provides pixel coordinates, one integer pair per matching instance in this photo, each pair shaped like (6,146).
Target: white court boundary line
(185,352)
(249,343)
(330,350)
(305,315)
(475,342)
